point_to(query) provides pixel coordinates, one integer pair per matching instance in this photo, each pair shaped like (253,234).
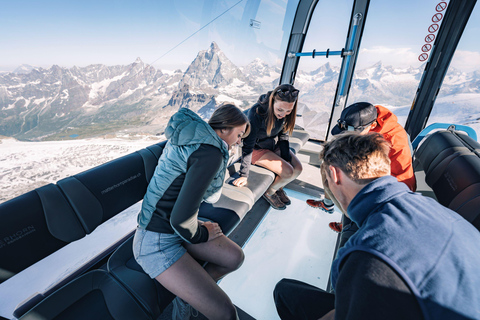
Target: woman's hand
(214,230)
(240,182)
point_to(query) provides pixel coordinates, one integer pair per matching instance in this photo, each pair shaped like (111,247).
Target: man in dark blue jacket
(411,258)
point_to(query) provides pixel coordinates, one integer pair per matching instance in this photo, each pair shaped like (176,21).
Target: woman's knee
(228,311)
(236,259)
(297,170)
(287,172)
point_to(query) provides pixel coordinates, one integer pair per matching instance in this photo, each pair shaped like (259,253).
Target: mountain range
(62,103)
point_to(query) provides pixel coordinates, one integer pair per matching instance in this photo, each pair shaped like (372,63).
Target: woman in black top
(272,119)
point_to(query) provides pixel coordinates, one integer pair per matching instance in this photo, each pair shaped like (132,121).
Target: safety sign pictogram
(423,57)
(437,17)
(426,47)
(441,6)
(429,38)
(433,28)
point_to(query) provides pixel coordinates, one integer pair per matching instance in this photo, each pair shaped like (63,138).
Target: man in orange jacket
(365,117)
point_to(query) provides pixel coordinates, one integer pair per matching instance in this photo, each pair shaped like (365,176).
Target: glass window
(389,69)
(317,77)
(104,77)
(118,71)
(457,100)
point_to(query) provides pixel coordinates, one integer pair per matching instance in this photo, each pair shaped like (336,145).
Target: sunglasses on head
(284,93)
(342,124)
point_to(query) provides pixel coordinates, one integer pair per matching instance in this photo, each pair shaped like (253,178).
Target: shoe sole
(323,209)
(273,206)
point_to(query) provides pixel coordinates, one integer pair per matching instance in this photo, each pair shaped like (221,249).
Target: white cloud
(404,57)
(466,60)
(397,57)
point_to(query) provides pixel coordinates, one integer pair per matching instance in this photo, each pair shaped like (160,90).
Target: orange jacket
(400,155)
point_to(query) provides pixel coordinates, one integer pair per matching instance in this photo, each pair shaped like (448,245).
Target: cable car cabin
(66,245)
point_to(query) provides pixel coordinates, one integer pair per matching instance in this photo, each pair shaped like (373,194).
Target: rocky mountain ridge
(61,103)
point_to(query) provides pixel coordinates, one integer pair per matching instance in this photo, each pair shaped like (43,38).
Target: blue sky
(80,33)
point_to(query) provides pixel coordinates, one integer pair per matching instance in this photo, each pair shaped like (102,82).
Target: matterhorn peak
(214,47)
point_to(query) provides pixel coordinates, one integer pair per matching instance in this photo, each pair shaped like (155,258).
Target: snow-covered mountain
(23,69)
(211,69)
(57,103)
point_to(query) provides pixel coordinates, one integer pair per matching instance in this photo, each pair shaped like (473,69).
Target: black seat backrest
(95,295)
(150,293)
(437,147)
(100,193)
(451,162)
(33,226)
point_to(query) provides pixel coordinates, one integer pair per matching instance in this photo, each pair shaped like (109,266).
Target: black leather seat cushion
(95,296)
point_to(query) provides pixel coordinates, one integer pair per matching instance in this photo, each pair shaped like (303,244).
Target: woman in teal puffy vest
(169,238)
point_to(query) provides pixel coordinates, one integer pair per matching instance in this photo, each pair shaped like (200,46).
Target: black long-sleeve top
(180,202)
(258,137)
(368,288)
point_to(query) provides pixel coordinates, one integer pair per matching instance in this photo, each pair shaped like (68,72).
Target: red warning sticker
(433,28)
(437,17)
(426,47)
(423,57)
(429,38)
(441,6)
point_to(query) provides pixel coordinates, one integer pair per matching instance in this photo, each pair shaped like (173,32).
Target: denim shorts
(156,252)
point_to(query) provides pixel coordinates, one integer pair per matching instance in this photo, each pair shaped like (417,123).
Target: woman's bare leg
(285,171)
(196,285)
(222,254)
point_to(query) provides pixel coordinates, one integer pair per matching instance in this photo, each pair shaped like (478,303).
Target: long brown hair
(287,93)
(228,116)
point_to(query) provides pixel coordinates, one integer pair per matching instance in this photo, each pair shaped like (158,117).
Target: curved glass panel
(457,101)
(107,76)
(317,77)
(388,69)
(119,70)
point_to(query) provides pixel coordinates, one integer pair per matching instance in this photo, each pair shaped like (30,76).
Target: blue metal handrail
(327,53)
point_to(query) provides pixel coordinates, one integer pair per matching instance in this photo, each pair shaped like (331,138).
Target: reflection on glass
(107,76)
(120,72)
(388,70)
(457,101)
